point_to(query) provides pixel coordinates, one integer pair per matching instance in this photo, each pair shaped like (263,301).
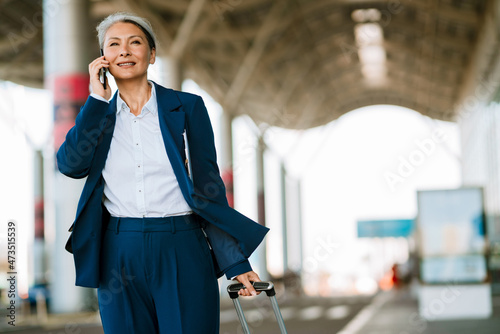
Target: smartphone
(102,74)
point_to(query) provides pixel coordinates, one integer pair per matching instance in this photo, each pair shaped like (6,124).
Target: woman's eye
(112,44)
(137,42)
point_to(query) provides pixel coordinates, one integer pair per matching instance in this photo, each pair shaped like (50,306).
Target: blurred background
(364,133)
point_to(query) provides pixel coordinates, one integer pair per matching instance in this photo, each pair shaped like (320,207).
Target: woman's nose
(124,51)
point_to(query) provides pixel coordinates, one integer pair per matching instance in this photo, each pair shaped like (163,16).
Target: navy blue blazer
(83,154)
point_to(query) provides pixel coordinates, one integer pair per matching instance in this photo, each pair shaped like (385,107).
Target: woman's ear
(152,57)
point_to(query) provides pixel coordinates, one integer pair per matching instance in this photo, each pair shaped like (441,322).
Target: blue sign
(385,228)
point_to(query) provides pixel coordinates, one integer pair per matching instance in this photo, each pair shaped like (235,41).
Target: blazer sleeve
(75,155)
(208,182)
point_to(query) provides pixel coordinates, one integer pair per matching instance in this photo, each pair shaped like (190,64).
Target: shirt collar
(151,105)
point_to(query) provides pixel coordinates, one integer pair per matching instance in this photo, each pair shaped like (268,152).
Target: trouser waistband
(147,224)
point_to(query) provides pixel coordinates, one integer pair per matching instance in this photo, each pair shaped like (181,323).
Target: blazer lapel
(100,155)
(172,121)
(102,149)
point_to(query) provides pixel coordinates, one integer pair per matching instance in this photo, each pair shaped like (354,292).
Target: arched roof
(303,63)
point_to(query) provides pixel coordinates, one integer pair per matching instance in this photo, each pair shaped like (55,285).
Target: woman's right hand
(95,84)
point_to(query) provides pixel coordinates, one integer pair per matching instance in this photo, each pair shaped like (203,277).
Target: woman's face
(127,50)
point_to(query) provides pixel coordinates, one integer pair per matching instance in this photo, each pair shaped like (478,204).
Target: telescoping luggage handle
(268,288)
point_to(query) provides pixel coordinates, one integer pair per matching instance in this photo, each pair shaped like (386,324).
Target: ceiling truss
(296,63)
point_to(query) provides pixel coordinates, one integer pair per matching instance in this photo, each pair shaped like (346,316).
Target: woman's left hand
(245,280)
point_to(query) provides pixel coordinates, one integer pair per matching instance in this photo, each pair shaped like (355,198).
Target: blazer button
(92,234)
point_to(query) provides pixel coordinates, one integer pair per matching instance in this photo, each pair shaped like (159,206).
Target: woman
(139,233)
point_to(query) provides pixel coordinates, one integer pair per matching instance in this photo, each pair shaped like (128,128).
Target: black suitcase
(268,288)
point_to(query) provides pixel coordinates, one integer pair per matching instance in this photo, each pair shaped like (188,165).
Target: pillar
(480,141)
(261,206)
(171,72)
(66,58)
(39,256)
(300,238)
(226,155)
(284,233)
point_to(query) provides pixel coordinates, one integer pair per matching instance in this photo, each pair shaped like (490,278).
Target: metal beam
(483,62)
(178,7)
(101,9)
(253,55)
(415,31)
(450,12)
(201,75)
(186,28)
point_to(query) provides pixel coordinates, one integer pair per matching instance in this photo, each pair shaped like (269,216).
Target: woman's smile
(126,48)
(126,65)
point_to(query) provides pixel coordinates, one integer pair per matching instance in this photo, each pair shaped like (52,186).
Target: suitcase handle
(267,287)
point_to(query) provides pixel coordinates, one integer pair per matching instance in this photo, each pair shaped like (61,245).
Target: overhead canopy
(301,63)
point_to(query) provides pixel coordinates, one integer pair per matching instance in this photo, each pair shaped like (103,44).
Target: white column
(171,72)
(38,251)
(480,139)
(284,233)
(66,58)
(261,206)
(226,155)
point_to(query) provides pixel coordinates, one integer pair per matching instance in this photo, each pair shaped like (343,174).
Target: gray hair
(140,22)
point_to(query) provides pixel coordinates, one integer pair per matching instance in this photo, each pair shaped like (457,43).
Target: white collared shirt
(139,179)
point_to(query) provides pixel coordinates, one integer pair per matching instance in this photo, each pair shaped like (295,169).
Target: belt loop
(201,221)
(117,225)
(173,225)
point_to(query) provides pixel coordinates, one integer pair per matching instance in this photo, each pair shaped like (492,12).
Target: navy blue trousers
(157,276)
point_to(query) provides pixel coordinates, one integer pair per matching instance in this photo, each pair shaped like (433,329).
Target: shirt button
(140,190)
(138,166)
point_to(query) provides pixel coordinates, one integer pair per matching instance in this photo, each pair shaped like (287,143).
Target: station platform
(388,312)
(396,312)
